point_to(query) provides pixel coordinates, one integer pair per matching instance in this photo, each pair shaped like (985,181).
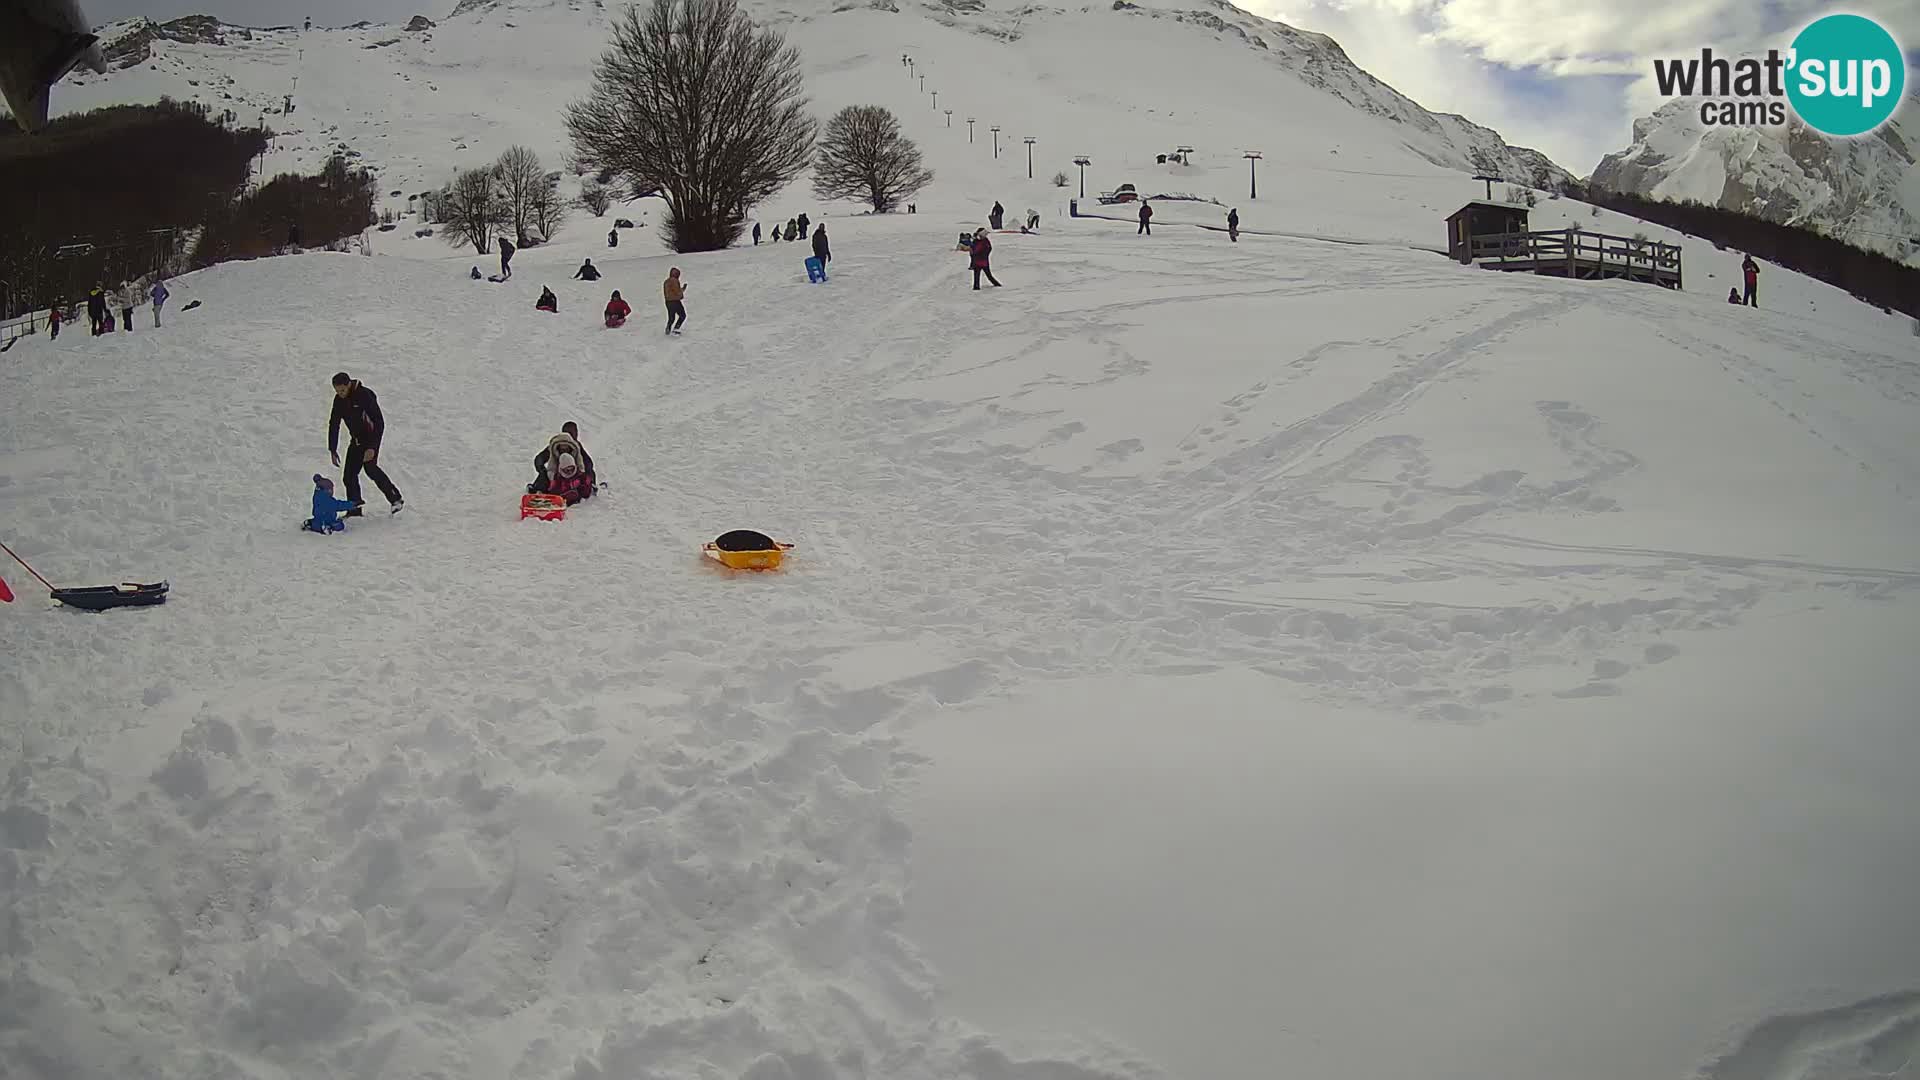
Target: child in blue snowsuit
(326,508)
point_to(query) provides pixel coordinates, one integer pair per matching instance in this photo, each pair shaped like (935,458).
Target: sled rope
(30,569)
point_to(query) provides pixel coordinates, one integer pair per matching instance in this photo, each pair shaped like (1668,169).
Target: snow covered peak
(1864,190)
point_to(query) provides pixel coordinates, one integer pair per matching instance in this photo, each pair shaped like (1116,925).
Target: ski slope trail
(454,794)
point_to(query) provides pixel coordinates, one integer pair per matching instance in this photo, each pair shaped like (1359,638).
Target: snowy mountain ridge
(1863,190)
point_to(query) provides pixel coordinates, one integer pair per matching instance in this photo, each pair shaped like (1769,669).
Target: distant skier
(356,406)
(675,291)
(326,508)
(613,237)
(820,250)
(587,272)
(982,252)
(1146,219)
(996,215)
(506,258)
(547,301)
(1752,271)
(159,294)
(756,234)
(1233,225)
(617,311)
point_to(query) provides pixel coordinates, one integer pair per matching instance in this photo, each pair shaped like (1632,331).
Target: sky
(1566,77)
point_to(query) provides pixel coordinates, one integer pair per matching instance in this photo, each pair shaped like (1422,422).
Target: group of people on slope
(796,229)
(102,302)
(563,467)
(673,290)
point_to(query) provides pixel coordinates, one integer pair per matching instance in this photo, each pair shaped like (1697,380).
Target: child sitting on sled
(326,508)
(617,311)
(564,468)
(567,478)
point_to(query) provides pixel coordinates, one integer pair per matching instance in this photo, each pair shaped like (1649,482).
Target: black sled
(102,597)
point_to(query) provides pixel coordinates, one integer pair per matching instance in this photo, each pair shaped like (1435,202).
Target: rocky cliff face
(130,43)
(1864,190)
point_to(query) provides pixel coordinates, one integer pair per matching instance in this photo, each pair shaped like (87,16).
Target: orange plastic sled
(767,559)
(543,506)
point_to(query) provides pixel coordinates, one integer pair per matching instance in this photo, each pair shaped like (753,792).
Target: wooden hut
(1482,217)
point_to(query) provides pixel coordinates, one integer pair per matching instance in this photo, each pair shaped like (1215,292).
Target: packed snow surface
(1214,582)
(1298,657)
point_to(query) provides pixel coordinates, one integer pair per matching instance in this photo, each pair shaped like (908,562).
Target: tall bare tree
(471,209)
(864,156)
(521,181)
(547,209)
(695,102)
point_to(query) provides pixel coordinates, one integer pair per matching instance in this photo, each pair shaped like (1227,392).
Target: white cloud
(1528,67)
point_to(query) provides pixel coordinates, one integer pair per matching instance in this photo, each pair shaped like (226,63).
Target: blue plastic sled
(816,270)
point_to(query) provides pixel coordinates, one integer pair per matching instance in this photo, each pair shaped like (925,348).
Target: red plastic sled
(543,506)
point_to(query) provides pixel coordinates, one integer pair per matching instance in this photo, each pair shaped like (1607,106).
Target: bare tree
(596,198)
(695,102)
(471,209)
(521,180)
(549,209)
(1060,179)
(864,156)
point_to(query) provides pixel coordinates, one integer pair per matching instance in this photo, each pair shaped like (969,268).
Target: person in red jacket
(617,311)
(982,250)
(1752,271)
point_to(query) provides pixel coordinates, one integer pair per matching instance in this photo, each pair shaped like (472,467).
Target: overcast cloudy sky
(1566,77)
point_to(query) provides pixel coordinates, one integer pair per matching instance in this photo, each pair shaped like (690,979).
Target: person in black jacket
(820,250)
(355,406)
(587,272)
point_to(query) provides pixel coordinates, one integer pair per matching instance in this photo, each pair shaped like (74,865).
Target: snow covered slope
(1864,190)
(453,795)
(417,104)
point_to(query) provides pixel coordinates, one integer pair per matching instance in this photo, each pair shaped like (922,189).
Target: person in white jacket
(159,293)
(125,298)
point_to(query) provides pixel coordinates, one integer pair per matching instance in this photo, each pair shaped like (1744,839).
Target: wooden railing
(1577,253)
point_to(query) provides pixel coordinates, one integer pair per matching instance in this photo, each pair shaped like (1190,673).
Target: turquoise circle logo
(1848,75)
